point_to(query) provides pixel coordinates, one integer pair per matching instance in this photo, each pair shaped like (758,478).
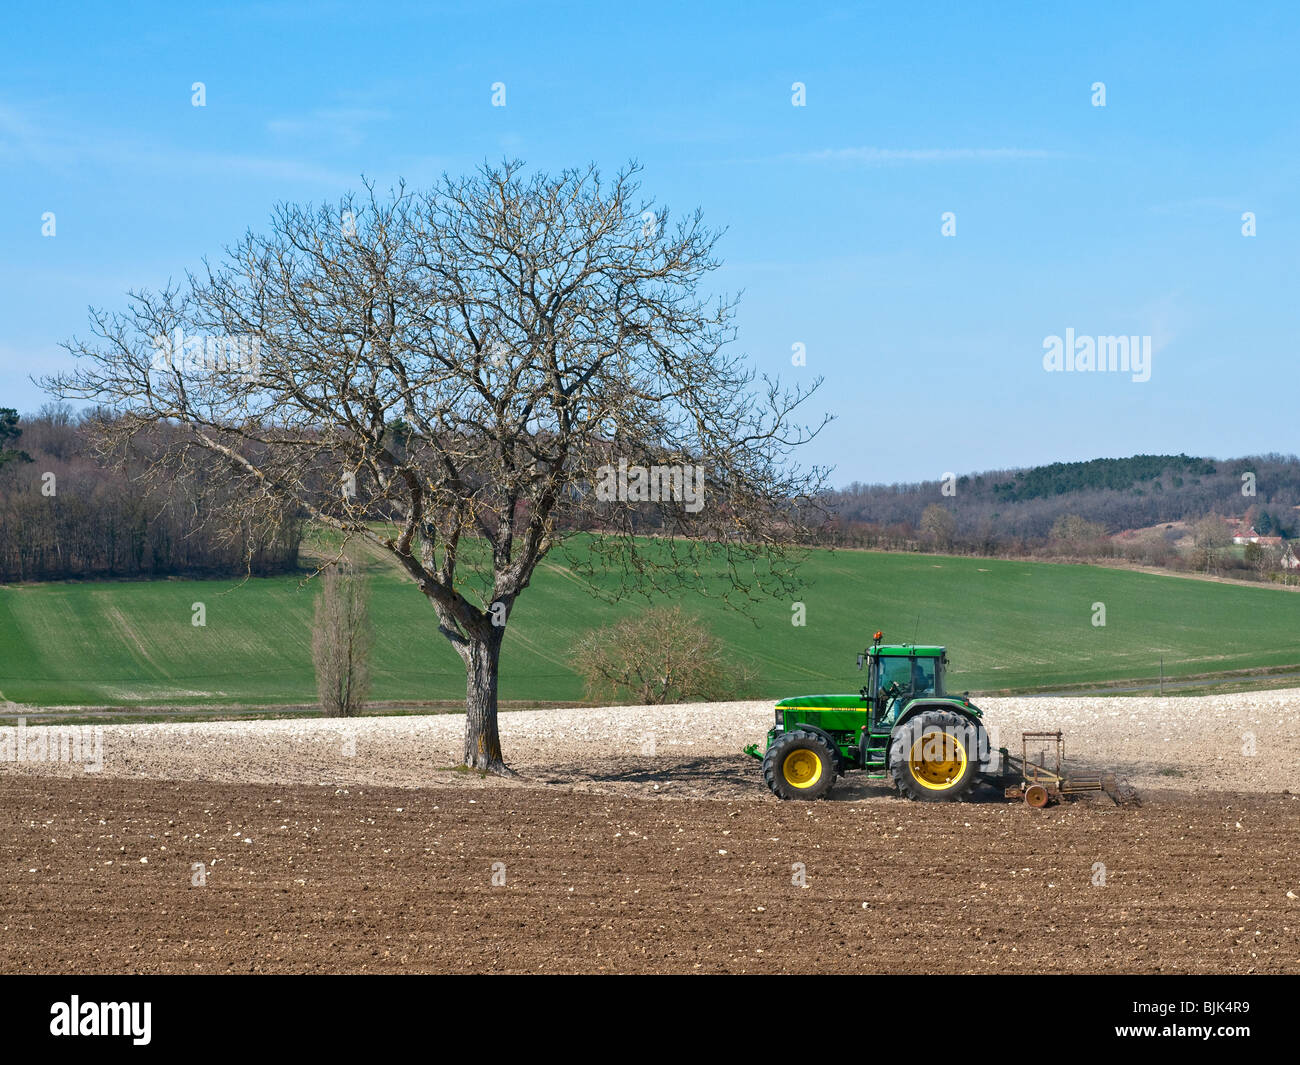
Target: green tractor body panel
(827,702)
(904,681)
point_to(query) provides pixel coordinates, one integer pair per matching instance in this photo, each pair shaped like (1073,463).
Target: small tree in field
(463,379)
(341,640)
(660,655)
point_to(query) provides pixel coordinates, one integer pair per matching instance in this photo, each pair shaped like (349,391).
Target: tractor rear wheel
(800,765)
(934,757)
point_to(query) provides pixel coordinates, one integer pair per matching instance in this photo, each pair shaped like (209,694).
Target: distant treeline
(1117,475)
(63,514)
(1016,508)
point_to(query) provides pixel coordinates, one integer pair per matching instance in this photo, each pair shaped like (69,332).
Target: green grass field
(1007,625)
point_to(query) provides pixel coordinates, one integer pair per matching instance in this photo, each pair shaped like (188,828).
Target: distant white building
(1245,534)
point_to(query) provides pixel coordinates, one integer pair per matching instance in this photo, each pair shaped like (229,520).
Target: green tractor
(902,726)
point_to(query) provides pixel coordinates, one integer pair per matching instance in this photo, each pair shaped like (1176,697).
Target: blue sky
(1123,219)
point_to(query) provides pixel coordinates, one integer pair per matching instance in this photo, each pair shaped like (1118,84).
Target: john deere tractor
(902,726)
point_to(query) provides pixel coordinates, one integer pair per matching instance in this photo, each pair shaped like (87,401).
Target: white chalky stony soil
(1190,743)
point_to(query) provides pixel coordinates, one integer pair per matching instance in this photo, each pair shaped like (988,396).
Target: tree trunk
(482,741)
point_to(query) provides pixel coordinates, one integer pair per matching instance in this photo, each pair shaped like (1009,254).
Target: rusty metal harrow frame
(1045,781)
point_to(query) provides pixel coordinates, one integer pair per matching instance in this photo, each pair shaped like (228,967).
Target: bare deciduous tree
(1212,538)
(1263,559)
(661,655)
(938,523)
(1077,534)
(341,640)
(469,364)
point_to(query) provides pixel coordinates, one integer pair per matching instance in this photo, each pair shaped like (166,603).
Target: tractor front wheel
(934,757)
(799,765)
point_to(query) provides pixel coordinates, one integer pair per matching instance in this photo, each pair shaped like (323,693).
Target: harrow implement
(1043,780)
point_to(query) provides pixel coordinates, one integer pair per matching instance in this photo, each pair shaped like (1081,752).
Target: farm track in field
(1243,741)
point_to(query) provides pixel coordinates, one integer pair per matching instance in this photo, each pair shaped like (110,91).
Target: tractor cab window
(895,671)
(915,675)
(923,676)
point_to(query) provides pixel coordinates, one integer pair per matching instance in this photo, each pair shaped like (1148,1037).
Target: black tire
(934,757)
(798,778)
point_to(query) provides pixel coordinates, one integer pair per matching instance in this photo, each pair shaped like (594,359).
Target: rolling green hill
(1006,624)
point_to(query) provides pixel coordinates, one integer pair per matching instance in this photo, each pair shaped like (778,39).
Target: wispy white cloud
(882,156)
(1198,203)
(28,141)
(344,126)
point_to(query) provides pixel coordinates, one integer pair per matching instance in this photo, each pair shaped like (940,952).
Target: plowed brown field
(99,874)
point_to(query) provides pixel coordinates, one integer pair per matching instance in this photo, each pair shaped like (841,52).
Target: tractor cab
(896,674)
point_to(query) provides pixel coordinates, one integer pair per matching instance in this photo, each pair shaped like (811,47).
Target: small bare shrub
(661,655)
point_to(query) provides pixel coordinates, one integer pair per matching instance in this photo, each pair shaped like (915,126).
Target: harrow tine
(1120,794)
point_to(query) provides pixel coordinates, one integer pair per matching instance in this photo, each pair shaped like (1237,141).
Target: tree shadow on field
(724,776)
(708,777)
(719,777)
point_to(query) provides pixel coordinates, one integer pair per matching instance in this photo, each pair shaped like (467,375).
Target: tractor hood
(828,702)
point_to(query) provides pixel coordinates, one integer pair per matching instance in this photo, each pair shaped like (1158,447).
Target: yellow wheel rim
(937,760)
(802,769)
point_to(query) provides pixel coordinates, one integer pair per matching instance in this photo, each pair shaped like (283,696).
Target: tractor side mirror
(859,663)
